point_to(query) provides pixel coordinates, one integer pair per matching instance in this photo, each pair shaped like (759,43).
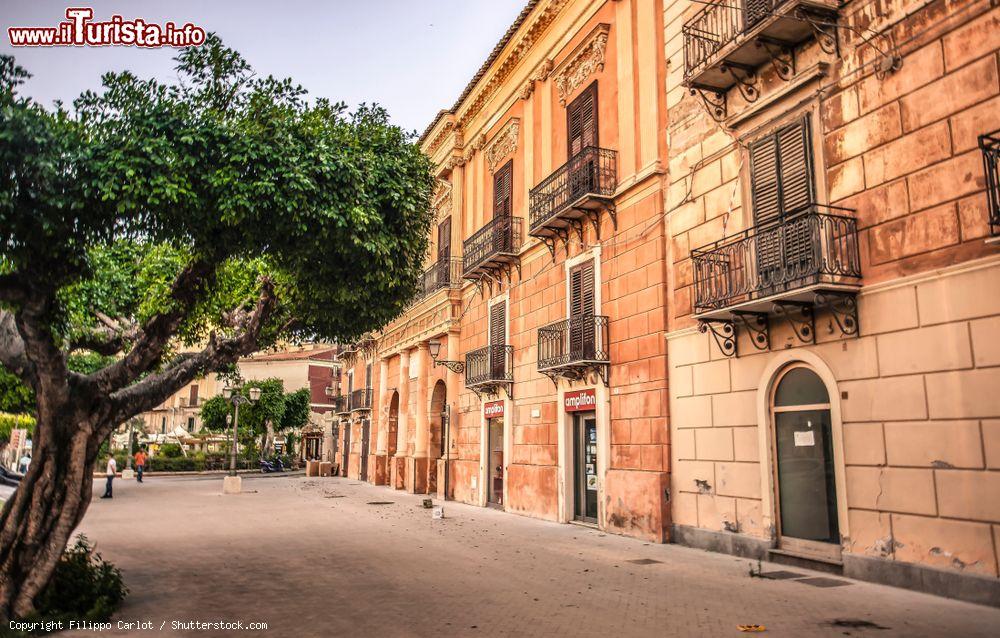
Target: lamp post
(434,348)
(232,484)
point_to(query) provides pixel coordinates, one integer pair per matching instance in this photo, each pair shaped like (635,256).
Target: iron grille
(446,273)
(341,404)
(808,247)
(990,144)
(592,171)
(577,340)
(489,365)
(718,24)
(361,399)
(501,236)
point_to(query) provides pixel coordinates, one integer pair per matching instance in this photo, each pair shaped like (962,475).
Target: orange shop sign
(580,400)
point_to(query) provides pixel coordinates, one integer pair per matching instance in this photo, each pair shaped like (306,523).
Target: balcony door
(782,188)
(581,133)
(498,339)
(444,239)
(581,311)
(503,204)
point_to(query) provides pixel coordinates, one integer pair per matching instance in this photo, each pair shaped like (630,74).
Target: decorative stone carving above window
(540,75)
(441,201)
(503,144)
(584,61)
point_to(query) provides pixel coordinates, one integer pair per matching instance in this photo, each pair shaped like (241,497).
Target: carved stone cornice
(540,75)
(503,144)
(584,61)
(492,83)
(419,324)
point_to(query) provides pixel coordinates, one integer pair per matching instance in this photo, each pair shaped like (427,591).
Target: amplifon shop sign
(493,410)
(580,400)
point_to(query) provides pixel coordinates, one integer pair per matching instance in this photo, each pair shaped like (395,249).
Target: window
(781,187)
(190,424)
(581,121)
(193,395)
(444,239)
(368,376)
(781,179)
(350,382)
(581,310)
(503,189)
(163,425)
(498,339)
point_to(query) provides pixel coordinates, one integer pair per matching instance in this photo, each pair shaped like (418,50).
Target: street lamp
(434,347)
(234,394)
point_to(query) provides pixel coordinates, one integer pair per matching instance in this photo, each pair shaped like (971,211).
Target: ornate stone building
(720,273)
(531,375)
(834,306)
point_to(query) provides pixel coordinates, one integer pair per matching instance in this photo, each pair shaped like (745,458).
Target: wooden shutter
(350,382)
(368,376)
(581,121)
(498,338)
(781,173)
(444,239)
(782,185)
(582,328)
(756,10)
(503,187)
(193,398)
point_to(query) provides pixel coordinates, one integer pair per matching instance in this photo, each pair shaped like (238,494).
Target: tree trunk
(267,451)
(37,523)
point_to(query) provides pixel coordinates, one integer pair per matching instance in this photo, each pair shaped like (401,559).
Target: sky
(413,57)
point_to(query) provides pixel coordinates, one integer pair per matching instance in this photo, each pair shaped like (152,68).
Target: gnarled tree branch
(156,388)
(12,353)
(155,334)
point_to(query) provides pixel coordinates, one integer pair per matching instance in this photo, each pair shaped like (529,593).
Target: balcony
(446,273)
(575,193)
(493,250)
(341,404)
(990,145)
(728,40)
(786,268)
(490,369)
(361,400)
(573,347)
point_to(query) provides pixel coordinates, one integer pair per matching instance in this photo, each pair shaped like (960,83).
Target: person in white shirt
(25,462)
(111,470)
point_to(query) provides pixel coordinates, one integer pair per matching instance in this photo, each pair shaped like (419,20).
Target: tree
(274,410)
(176,228)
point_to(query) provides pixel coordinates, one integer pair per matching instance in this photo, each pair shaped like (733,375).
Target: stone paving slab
(313,557)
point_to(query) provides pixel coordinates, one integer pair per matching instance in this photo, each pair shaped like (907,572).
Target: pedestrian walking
(111,470)
(140,464)
(24,463)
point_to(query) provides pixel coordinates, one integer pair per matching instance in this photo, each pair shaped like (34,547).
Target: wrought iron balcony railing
(361,399)
(341,404)
(727,40)
(990,145)
(714,26)
(579,339)
(591,173)
(445,273)
(492,246)
(492,365)
(813,246)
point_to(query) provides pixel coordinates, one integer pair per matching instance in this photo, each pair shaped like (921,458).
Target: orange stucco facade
(714,277)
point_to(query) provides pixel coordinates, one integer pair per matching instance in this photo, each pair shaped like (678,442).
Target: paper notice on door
(805,438)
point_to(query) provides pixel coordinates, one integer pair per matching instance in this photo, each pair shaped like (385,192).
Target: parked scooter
(271,466)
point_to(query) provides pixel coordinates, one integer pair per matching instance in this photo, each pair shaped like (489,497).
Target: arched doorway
(803,462)
(392,424)
(436,435)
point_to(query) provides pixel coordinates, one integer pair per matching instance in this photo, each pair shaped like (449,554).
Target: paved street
(319,557)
